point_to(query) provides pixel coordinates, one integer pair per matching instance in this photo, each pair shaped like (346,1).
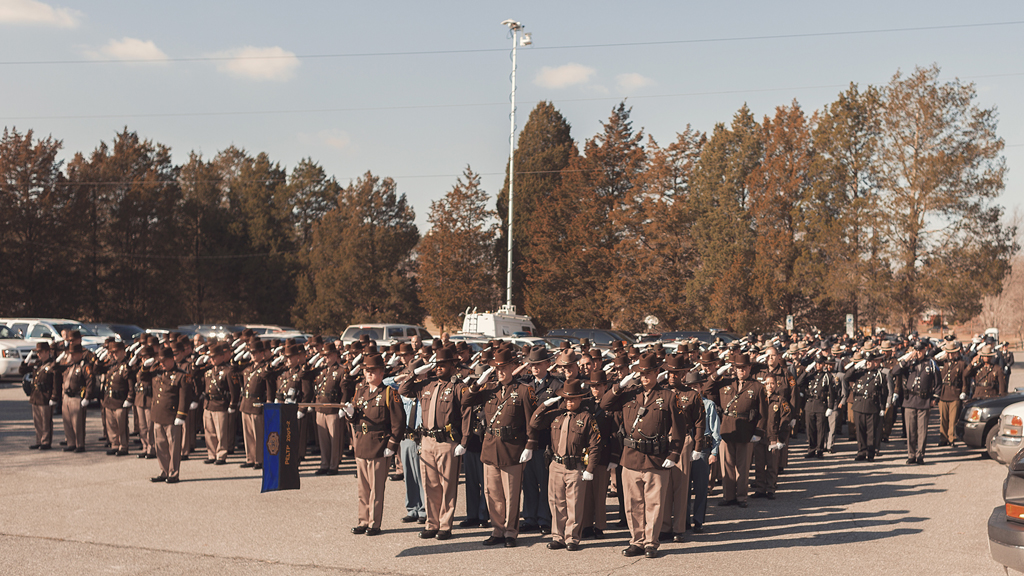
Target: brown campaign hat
(676,363)
(573,388)
(503,357)
(117,345)
(461,346)
(257,345)
(331,348)
(76,349)
(486,356)
(444,355)
(695,380)
(567,357)
(648,362)
(564,345)
(887,345)
(372,362)
(584,343)
(707,358)
(741,361)
(951,346)
(598,378)
(166,352)
(405,348)
(538,355)
(621,361)
(220,349)
(289,350)
(40,346)
(986,351)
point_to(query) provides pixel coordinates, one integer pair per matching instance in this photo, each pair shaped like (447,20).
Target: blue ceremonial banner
(280,447)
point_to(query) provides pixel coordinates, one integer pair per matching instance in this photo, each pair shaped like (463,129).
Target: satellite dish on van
(651,320)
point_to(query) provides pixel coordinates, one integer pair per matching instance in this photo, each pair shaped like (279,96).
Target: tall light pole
(514,28)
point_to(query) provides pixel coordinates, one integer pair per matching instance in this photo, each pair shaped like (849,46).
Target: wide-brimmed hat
(328,350)
(621,361)
(886,345)
(567,357)
(166,353)
(695,380)
(503,357)
(951,346)
(647,363)
(741,361)
(986,351)
(290,350)
(40,346)
(676,363)
(598,378)
(573,388)
(372,362)
(708,358)
(444,355)
(538,355)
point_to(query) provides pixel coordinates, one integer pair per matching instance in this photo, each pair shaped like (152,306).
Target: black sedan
(978,425)
(1006,524)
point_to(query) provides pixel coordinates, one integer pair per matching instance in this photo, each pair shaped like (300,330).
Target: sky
(418,90)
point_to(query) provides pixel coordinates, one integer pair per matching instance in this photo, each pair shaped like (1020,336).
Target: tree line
(882,204)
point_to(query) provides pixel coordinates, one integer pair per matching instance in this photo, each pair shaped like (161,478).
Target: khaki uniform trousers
(117,429)
(766,468)
(439,473)
(42,418)
(595,507)
(567,498)
(167,439)
(188,432)
(252,431)
(215,427)
(502,489)
(328,434)
(735,469)
(74,422)
(948,413)
(144,418)
(372,476)
(678,491)
(645,492)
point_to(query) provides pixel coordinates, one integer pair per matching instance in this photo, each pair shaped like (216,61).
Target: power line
(484,50)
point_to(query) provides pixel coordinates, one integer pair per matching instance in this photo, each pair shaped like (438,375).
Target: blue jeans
(409,451)
(536,509)
(699,475)
(476,505)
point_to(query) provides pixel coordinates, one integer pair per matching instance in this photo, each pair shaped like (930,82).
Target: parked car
(706,336)
(49,330)
(1011,429)
(122,332)
(556,341)
(978,425)
(221,331)
(598,338)
(385,333)
(1006,524)
(13,349)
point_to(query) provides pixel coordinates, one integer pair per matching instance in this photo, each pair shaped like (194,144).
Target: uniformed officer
(379,424)
(989,378)
(43,392)
(295,385)
(170,407)
(815,391)
(654,431)
(329,388)
(768,452)
(536,513)
(744,412)
(258,389)
(575,452)
(678,492)
(595,512)
(954,382)
(118,397)
(78,385)
(444,435)
(508,444)
(920,387)
(869,393)
(221,397)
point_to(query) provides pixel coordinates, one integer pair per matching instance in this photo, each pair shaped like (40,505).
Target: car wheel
(990,448)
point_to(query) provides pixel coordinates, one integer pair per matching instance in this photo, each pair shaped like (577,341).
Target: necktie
(432,417)
(412,415)
(563,436)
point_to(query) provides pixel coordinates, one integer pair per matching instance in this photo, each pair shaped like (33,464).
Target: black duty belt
(570,462)
(505,433)
(440,435)
(649,446)
(118,394)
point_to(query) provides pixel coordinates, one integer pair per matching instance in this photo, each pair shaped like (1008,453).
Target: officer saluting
(43,392)
(654,431)
(170,408)
(78,385)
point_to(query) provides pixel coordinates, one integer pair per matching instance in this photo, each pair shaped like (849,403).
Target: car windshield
(8,334)
(71,327)
(354,332)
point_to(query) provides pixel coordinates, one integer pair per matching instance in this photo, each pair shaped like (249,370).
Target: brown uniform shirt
(170,396)
(220,389)
(257,388)
(989,380)
(583,438)
(78,380)
(295,385)
(45,382)
(744,409)
(378,421)
(952,375)
(452,420)
(119,385)
(506,418)
(329,387)
(692,404)
(779,415)
(654,425)
(144,387)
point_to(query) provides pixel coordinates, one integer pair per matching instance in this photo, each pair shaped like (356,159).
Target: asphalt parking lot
(95,514)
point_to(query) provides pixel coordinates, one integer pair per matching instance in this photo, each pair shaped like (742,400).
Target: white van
(504,323)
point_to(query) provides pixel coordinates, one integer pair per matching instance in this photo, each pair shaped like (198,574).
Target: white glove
(941,355)
(667,463)
(126,404)
(85,402)
(388,452)
(777,446)
(526,456)
(723,369)
(354,371)
(663,376)
(357,360)
(460,450)
(755,438)
(587,476)
(895,397)
(695,456)
(179,422)
(792,424)
(552,401)
(906,356)
(828,412)
(612,466)
(881,413)
(860,365)
(963,396)
(298,415)
(149,362)
(193,406)
(394,360)
(486,374)
(349,409)
(232,411)
(627,381)
(53,402)
(423,369)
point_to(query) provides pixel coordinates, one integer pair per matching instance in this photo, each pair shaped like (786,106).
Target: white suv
(385,333)
(49,329)
(13,349)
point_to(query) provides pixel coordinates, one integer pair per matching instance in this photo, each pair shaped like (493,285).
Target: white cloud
(275,63)
(35,12)
(334,138)
(632,81)
(564,76)
(132,49)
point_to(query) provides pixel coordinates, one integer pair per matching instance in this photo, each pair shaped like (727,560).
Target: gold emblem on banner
(273,443)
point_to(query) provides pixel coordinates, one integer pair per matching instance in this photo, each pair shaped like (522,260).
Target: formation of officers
(539,435)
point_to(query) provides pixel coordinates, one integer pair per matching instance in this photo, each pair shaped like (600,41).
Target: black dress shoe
(172,480)
(122,453)
(469,523)
(258,467)
(72,449)
(742,503)
(111,452)
(330,472)
(651,552)
(409,518)
(678,538)
(320,472)
(159,478)
(421,520)
(770,496)
(142,456)
(34,447)
(598,533)
(920,460)
(632,551)
(246,465)
(209,461)
(150,456)
(758,495)
(809,455)
(572,547)
(64,443)
(545,529)
(587,532)
(727,502)
(911,460)
(184,457)
(698,528)
(493,541)
(220,462)
(396,477)
(80,449)
(510,542)
(527,527)
(372,531)
(444,535)
(664,536)
(553,545)
(427,534)
(45,447)
(359,529)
